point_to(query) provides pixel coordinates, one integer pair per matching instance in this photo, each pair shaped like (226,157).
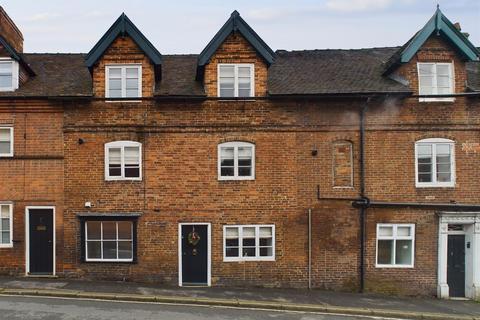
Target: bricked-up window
(342,164)
(235,80)
(249,242)
(123,160)
(6,226)
(395,245)
(109,241)
(8,75)
(435,163)
(123,81)
(236,161)
(6,142)
(435,79)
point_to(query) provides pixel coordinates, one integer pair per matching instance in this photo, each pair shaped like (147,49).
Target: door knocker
(193,237)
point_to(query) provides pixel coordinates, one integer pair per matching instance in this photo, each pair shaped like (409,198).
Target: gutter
(418,205)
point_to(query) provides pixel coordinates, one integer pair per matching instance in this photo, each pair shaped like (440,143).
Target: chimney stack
(10,32)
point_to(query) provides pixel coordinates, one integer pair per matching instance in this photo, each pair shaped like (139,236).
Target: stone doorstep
(271,305)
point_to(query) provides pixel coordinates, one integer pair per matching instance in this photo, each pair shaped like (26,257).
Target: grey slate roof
(292,73)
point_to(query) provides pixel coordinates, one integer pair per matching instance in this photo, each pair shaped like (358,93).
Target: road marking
(207,306)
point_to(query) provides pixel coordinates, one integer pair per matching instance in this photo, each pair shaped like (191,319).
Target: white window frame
(121,145)
(435,88)
(235,145)
(235,86)
(240,243)
(87,259)
(15,74)
(123,67)
(434,183)
(10,211)
(10,154)
(395,237)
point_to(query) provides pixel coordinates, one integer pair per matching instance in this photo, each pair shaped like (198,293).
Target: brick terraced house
(244,166)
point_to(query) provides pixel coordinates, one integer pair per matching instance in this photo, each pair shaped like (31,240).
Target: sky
(186,26)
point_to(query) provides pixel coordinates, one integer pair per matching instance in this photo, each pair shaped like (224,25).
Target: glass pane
(226,153)
(265,232)
(6,81)
(443,70)
(124,230)
(132,73)
(385,231)
(115,170)
(132,155)
(115,84)
(115,93)
(424,168)
(4,211)
(125,250)
(424,151)
(6,237)
(249,232)
(132,84)
(266,252)
(245,162)
(5,67)
(94,250)
(265,242)
(244,93)
(248,242)
(231,242)
(426,81)
(444,90)
(231,252)
(443,168)
(227,93)
(244,72)
(245,152)
(109,250)
(231,232)
(227,71)
(403,231)
(114,73)
(227,163)
(109,230)
(426,90)
(443,177)
(132,93)
(403,254)
(385,252)
(5,224)
(93,230)
(424,177)
(114,156)
(244,171)
(132,172)
(4,134)
(426,69)
(443,149)
(249,252)
(226,172)
(443,82)
(4,147)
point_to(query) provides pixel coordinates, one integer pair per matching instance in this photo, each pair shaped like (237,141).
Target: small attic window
(235,80)
(8,75)
(435,79)
(123,81)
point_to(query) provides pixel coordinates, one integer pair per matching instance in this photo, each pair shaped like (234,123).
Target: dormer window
(123,81)
(435,79)
(8,75)
(235,80)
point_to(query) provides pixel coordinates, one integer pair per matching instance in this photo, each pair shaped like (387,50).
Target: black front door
(41,241)
(194,254)
(456,265)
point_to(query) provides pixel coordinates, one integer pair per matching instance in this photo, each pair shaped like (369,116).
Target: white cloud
(361,5)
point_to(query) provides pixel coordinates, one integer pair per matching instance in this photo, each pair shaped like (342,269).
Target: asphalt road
(26,308)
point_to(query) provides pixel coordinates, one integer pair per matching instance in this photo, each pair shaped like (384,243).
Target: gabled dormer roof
(123,27)
(16,56)
(236,24)
(440,25)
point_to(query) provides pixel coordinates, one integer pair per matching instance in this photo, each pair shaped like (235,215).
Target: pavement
(257,298)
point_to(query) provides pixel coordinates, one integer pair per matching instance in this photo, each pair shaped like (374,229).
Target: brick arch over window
(342,163)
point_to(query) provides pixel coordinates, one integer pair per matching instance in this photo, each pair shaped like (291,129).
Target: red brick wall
(10,32)
(34,176)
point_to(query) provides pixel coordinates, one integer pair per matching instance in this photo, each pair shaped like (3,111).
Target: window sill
(424,186)
(5,155)
(6,246)
(447,100)
(248,260)
(236,179)
(123,179)
(110,261)
(120,100)
(388,266)
(222,99)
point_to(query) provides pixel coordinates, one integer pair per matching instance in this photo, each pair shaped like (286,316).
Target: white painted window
(6,225)
(249,242)
(123,160)
(236,161)
(435,163)
(236,80)
(435,78)
(123,81)
(109,241)
(395,245)
(8,74)
(6,142)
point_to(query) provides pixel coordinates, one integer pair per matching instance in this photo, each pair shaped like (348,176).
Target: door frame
(209,250)
(27,237)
